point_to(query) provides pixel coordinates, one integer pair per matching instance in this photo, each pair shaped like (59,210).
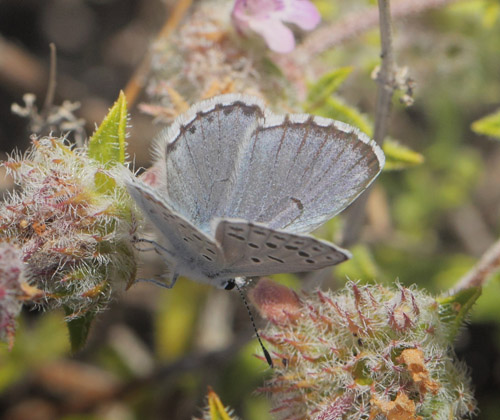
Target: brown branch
(136,82)
(477,276)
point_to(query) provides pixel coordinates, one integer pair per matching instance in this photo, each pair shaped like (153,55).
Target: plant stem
(385,90)
(52,83)
(385,77)
(486,266)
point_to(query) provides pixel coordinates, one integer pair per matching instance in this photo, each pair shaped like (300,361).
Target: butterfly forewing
(299,171)
(200,152)
(255,250)
(183,240)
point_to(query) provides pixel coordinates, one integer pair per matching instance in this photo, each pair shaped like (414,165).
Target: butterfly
(240,188)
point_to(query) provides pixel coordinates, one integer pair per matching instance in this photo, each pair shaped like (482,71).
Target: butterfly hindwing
(252,249)
(183,240)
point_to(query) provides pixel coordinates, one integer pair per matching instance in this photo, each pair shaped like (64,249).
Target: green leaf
(107,144)
(325,87)
(489,125)
(216,408)
(398,156)
(335,108)
(78,328)
(454,309)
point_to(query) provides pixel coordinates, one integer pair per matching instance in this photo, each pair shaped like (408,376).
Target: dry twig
(477,276)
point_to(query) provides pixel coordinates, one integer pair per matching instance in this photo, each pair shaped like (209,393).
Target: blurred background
(153,353)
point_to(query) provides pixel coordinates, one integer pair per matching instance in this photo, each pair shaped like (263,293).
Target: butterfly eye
(230,284)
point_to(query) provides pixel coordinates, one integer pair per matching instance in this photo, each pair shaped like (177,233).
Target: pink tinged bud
(357,352)
(275,302)
(266,18)
(152,176)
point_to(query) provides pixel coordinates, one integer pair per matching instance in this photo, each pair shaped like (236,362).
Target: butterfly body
(242,187)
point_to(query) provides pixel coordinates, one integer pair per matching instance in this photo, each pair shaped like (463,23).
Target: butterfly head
(230,284)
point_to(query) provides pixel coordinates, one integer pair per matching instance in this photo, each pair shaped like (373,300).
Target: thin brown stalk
(136,82)
(385,76)
(488,264)
(51,88)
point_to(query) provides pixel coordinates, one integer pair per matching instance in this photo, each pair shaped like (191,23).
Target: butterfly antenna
(264,350)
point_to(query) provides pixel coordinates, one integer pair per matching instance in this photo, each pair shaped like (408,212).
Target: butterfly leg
(171,281)
(167,285)
(156,246)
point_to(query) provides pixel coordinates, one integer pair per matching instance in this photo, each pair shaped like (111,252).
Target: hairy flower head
(366,352)
(74,238)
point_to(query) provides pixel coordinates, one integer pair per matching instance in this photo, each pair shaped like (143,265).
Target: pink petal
(278,37)
(301,12)
(240,19)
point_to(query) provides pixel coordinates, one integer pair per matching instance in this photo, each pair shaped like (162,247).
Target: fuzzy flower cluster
(366,352)
(74,238)
(204,58)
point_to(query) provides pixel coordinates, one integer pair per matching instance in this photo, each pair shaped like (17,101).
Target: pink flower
(266,17)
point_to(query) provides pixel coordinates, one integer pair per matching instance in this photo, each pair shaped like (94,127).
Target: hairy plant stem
(385,91)
(385,77)
(488,264)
